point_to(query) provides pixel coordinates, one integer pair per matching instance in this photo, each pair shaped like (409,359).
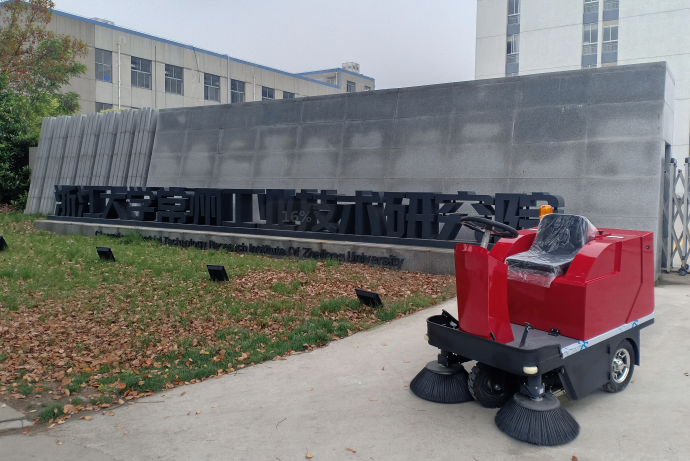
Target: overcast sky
(398,42)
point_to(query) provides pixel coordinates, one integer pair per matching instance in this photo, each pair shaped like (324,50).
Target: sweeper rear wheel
(490,386)
(622,367)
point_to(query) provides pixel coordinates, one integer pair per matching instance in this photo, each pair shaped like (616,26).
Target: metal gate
(677,216)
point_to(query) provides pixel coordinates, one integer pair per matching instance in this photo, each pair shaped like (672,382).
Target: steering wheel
(489,228)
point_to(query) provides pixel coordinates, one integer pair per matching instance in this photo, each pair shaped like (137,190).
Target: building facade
(130,69)
(521,37)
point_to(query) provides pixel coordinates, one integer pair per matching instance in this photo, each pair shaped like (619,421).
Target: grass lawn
(74,330)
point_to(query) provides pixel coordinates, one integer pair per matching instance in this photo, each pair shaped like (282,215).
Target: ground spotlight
(369,298)
(217,273)
(105,253)
(3,243)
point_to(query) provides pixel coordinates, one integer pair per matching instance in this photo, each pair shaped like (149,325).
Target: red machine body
(609,283)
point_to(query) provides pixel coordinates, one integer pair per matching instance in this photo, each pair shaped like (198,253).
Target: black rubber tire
(612,386)
(682,272)
(482,383)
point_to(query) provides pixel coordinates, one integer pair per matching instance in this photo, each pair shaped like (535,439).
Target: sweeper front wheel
(622,367)
(491,387)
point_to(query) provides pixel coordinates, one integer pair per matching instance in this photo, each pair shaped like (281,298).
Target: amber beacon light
(544,210)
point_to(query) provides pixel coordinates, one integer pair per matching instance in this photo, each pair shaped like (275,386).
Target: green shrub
(51,412)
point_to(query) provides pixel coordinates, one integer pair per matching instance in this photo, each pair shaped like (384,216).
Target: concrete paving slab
(353,394)
(12,419)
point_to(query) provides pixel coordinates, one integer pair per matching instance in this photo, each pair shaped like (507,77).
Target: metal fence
(677,216)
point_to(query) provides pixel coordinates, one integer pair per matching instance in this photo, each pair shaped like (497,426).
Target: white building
(520,37)
(131,69)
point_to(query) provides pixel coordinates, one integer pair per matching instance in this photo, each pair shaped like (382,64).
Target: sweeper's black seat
(559,238)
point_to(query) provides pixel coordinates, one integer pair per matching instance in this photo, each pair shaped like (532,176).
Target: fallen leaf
(59,443)
(374,400)
(406,385)
(121,402)
(87,418)
(216,406)
(51,426)
(183,393)
(310,389)
(350,449)
(574,458)
(120,427)
(198,412)
(4,405)
(111,413)
(60,422)
(406,361)
(65,381)
(121,386)
(69,408)
(308,455)
(126,432)
(383,344)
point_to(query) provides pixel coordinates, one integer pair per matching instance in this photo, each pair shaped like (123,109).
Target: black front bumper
(579,373)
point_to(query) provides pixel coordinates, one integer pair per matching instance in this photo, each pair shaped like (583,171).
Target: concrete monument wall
(596,137)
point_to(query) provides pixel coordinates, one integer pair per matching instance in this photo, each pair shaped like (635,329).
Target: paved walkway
(352,394)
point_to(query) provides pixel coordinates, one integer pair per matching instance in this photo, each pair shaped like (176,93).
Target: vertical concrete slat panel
(69,171)
(126,149)
(117,149)
(88,151)
(53,167)
(132,180)
(104,153)
(151,134)
(139,150)
(36,187)
(69,146)
(136,118)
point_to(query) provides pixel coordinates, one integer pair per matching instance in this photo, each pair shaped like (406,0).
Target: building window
(236,91)
(367,88)
(589,66)
(513,50)
(610,5)
(211,87)
(590,39)
(267,93)
(101,106)
(104,65)
(174,81)
(351,88)
(610,39)
(141,73)
(288,95)
(591,6)
(513,12)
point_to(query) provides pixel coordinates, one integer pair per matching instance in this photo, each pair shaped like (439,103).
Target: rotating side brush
(536,417)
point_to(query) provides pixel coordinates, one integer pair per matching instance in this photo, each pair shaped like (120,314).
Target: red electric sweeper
(548,310)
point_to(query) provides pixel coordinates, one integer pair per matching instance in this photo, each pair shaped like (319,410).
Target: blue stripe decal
(581,345)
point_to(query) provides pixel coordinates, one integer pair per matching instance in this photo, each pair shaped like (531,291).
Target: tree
(35,59)
(35,65)
(15,138)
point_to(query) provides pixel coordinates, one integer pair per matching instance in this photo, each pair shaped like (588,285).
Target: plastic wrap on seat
(559,238)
